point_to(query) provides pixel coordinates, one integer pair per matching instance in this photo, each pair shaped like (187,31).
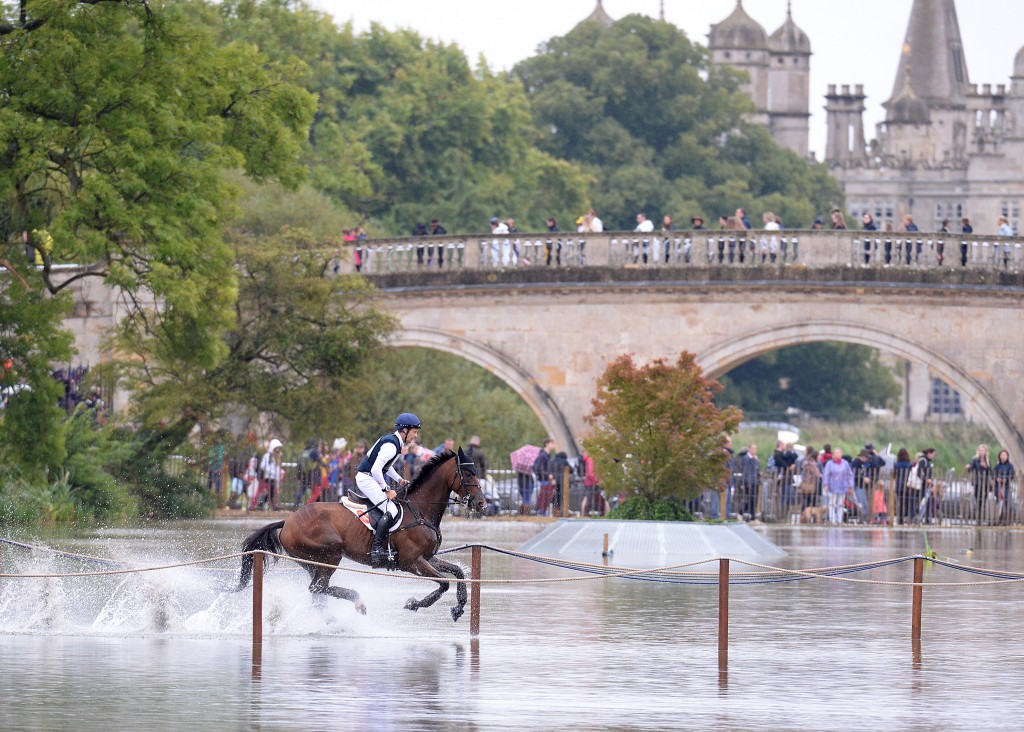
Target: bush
(163,496)
(639,508)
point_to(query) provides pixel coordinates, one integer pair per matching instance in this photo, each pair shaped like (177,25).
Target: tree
(406,129)
(660,129)
(831,378)
(656,430)
(117,124)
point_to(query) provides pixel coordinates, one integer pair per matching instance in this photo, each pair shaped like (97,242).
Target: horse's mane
(429,468)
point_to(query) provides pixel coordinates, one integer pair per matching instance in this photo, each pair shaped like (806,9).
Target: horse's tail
(266,540)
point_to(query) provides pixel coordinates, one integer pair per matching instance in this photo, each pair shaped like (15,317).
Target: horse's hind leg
(460,587)
(425,569)
(320,587)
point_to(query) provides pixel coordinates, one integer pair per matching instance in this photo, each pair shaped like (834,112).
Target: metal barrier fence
(950,499)
(682,249)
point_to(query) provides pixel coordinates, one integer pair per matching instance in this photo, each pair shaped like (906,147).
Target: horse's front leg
(461,596)
(320,586)
(424,569)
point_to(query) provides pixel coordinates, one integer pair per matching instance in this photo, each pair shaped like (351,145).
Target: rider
(379,461)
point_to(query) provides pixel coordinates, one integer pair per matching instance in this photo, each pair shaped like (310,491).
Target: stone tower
(789,86)
(779,69)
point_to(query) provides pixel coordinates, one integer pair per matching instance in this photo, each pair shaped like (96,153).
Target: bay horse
(326,532)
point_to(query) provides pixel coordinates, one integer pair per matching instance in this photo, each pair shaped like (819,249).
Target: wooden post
(257,610)
(915,623)
(225,479)
(723,614)
(723,500)
(474,599)
(565,492)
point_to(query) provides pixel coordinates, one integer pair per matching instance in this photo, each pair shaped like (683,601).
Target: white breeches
(369,488)
(835,507)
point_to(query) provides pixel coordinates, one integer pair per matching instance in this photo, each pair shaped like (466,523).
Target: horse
(326,532)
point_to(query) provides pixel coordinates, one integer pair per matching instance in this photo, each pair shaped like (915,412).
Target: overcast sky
(853,41)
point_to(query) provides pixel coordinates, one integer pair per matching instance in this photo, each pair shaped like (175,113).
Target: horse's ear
(465,461)
(462,455)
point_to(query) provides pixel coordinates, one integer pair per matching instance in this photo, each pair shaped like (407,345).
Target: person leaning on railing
(1003,475)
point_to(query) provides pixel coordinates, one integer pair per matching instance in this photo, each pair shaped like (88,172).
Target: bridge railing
(684,249)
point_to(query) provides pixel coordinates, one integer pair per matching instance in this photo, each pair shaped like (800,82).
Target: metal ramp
(650,543)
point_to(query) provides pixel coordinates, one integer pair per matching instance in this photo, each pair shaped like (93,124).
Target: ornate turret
(738,32)
(789,39)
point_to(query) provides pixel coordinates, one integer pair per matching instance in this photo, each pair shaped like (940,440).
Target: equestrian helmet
(407,419)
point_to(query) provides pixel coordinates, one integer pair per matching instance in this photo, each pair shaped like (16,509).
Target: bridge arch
(725,356)
(499,364)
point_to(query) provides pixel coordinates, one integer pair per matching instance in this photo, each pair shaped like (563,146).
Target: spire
(661,14)
(599,16)
(789,38)
(932,66)
(738,31)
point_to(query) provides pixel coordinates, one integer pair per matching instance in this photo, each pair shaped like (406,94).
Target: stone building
(947,149)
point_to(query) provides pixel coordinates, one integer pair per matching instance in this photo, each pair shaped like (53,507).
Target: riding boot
(379,552)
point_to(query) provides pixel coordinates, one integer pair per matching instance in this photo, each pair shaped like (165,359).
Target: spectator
(666,224)
(437,230)
(818,225)
(741,219)
(348,471)
(1003,476)
(838,221)
(643,224)
(929,490)
(501,250)
(448,444)
(308,473)
(1004,227)
(271,475)
(552,224)
(524,483)
(750,467)
(878,507)
(837,477)
(697,222)
(770,224)
(581,225)
(559,467)
(543,468)
(596,226)
(511,224)
(906,500)
(980,471)
(810,479)
(479,457)
(965,228)
(868,222)
(593,496)
(908,225)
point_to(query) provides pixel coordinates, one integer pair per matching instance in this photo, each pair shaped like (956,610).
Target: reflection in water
(173,651)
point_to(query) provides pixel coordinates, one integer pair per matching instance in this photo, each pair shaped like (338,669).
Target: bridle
(463,495)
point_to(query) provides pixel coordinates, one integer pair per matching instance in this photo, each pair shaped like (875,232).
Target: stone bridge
(548,331)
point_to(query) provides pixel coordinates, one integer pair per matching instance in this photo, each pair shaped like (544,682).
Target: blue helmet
(407,419)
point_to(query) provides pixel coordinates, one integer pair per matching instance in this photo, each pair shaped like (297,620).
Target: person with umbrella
(522,462)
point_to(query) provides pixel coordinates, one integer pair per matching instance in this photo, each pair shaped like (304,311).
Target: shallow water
(169,650)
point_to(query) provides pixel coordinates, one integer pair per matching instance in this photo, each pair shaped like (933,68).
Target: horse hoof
(411,604)
(457,612)
(361,608)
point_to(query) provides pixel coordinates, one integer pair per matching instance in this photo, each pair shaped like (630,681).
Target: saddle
(363,510)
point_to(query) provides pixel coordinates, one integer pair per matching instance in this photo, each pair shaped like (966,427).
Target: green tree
(117,124)
(831,378)
(406,129)
(660,129)
(656,430)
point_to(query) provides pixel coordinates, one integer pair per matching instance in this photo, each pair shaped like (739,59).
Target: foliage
(661,130)
(453,397)
(163,496)
(406,130)
(831,378)
(93,452)
(639,508)
(656,429)
(31,430)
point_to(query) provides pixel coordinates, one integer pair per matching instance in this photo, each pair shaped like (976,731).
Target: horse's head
(468,486)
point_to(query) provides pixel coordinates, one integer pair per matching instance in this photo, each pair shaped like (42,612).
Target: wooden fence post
(723,614)
(915,623)
(257,610)
(565,492)
(474,601)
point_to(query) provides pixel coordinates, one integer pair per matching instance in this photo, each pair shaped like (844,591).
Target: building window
(945,399)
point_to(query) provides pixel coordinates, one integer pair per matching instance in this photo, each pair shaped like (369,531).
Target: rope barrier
(670,574)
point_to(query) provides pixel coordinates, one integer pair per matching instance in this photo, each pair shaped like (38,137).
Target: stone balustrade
(685,249)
